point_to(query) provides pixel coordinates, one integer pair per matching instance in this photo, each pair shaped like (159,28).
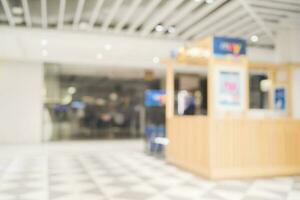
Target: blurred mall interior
(150,99)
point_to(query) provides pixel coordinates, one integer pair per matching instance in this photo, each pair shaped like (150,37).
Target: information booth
(233,140)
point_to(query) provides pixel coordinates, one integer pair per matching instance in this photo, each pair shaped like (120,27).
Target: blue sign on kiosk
(229,46)
(280,98)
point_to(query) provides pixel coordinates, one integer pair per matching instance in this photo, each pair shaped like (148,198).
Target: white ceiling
(180,19)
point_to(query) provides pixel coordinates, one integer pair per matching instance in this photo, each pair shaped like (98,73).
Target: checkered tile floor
(118,171)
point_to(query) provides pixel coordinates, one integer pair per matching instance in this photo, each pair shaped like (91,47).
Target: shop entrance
(103,104)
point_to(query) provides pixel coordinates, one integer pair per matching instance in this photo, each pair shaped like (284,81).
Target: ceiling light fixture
(44,42)
(209,1)
(171,29)
(107,47)
(159,28)
(155,60)
(197,1)
(83,26)
(254,38)
(18,19)
(99,56)
(44,52)
(17,10)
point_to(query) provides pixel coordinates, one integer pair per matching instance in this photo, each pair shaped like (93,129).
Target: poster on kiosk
(230,79)
(280,99)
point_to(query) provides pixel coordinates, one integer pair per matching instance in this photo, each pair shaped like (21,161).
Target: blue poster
(229,46)
(155,98)
(280,98)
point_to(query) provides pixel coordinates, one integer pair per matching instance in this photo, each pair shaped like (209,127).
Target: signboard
(229,46)
(280,98)
(230,89)
(155,98)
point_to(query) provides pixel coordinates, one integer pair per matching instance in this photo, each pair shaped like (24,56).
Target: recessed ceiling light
(209,1)
(254,38)
(171,29)
(44,52)
(44,42)
(159,28)
(197,1)
(155,60)
(99,56)
(17,10)
(18,19)
(83,26)
(107,47)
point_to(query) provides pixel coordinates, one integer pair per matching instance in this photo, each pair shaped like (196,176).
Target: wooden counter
(234,148)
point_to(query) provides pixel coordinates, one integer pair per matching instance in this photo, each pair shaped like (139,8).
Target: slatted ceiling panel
(230,28)
(175,17)
(156,10)
(182,10)
(294,2)
(122,13)
(52,12)
(268,17)
(61,14)
(3,19)
(144,15)
(157,18)
(107,23)
(164,19)
(197,15)
(193,17)
(35,12)
(87,10)
(70,10)
(258,32)
(136,13)
(211,19)
(276,5)
(19,4)
(274,11)
(221,24)
(244,29)
(129,11)
(251,28)
(78,13)
(190,19)
(7,12)
(27,14)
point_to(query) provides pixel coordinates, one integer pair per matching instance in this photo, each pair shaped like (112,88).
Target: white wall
(296,93)
(256,54)
(288,46)
(288,51)
(81,48)
(21,86)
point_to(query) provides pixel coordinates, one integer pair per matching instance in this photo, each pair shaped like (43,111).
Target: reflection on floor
(118,170)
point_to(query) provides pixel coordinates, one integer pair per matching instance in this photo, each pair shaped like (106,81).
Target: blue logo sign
(229,46)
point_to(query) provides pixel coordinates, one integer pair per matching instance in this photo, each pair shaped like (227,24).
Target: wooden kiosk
(229,142)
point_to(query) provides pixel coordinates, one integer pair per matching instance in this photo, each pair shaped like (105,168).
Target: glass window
(259,90)
(190,94)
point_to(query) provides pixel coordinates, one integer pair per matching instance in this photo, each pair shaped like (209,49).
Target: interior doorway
(95,104)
